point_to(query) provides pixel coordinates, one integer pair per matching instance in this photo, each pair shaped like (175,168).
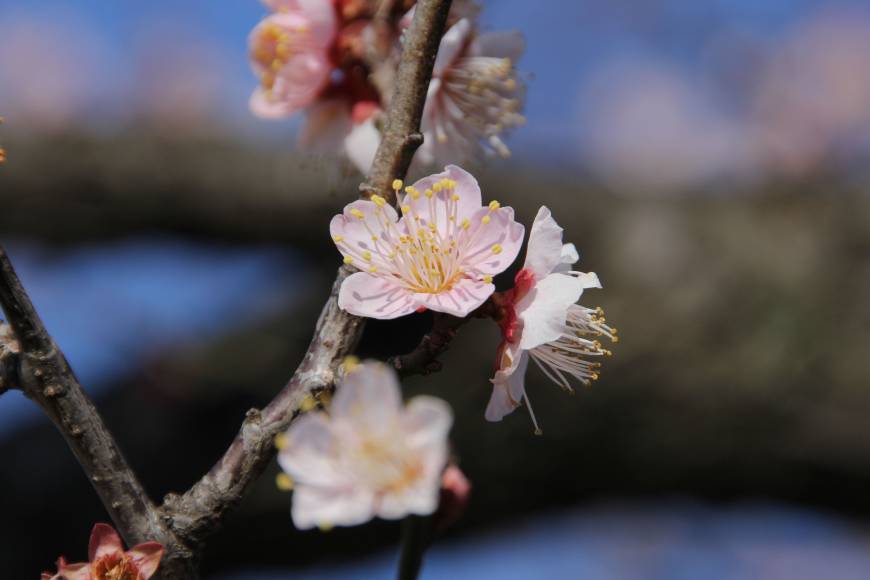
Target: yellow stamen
(348,260)
(496,249)
(485,219)
(397,184)
(284,482)
(350,363)
(494,205)
(337,239)
(281,441)
(357,214)
(379,201)
(488,279)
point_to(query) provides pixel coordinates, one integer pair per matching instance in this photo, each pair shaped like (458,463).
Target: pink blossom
(290,54)
(441,254)
(542,321)
(371,456)
(107,559)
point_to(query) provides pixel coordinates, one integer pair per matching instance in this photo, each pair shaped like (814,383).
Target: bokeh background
(710,158)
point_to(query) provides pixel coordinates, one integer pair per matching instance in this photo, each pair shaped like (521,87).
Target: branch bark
(182,522)
(44,375)
(202,509)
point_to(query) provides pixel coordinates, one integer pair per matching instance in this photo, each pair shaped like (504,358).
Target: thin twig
(423,360)
(201,510)
(44,375)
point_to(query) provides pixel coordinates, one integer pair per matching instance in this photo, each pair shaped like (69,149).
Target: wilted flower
(109,561)
(289,53)
(475,95)
(542,320)
(371,456)
(441,255)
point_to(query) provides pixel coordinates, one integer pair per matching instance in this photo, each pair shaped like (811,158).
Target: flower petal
(362,143)
(369,397)
(311,451)
(465,296)
(147,558)
(363,294)
(544,251)
(508,388)
(567,258)
(451,45)
(80,571)
(426,420)
(318,15)
(544,309)
(364,231)
(315,506)
(467,189)
(104,540)
(420,499)
(489,248)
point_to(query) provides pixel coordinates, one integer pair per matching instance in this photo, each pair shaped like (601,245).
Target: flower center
(425,252)
(115,567)
(387,464)
(272,48)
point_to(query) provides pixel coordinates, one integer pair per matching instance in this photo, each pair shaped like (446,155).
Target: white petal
(467,189)
(544,250)
(369,398)
(314,506)
(478,241)
(362,144)
(451,45)
(544,309)
(426,420)
(568,258)
(509,388)
(312,451)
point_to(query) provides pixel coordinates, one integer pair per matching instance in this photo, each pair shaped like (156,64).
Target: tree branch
(201,510)
(423,360)
(44,375)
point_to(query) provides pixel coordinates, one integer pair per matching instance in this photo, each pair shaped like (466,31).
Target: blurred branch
(9,349)
(416,537)
(202,508)
(44,375)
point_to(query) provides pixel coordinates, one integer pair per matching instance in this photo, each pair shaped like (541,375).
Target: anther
(496,249)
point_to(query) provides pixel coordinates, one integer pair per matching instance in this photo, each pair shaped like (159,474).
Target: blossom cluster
(368,455)
(335,61)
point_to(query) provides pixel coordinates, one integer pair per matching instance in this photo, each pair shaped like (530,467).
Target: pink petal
(81,571)
(147,558)
(466,188)
(451,46)
(355,234)
(301,79)
(317,17)
(544,250)
(369,397)
(508,44)
(464,297)
(481,239)
(104,540)
(363,294)
(544,309)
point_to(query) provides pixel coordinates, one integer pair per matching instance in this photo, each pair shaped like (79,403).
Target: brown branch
(401,134)
(423,360)
(44,375)
(201,509)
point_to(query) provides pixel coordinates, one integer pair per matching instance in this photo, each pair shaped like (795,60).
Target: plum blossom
(109,561)
(289,52)
(370,456)
(441,254)
(543,321)
(475,95)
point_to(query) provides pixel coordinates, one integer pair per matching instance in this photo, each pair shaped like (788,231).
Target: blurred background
(711,160)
